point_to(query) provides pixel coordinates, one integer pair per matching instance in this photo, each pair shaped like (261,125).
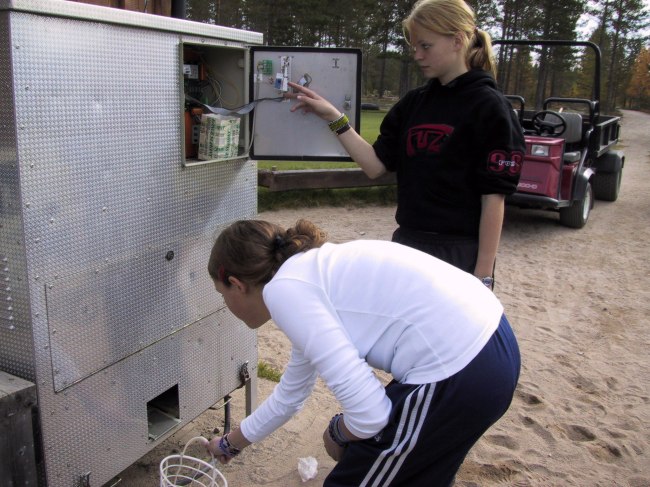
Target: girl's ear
(458,40)
(238,284)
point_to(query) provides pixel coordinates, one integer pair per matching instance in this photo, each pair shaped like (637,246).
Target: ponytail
(254,250)
(479,52)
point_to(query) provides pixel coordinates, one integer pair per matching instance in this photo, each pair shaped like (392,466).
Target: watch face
(487,281)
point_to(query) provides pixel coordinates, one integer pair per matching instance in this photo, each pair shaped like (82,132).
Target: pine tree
(620,24)
(638,90)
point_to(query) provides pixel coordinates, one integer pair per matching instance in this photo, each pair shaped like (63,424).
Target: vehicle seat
(572,136)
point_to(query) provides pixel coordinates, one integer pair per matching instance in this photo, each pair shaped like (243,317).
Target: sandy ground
(579,302)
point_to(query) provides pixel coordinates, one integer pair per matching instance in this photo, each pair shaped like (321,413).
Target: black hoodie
(449,145)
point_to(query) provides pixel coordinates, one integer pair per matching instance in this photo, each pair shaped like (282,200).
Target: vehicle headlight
(539,150)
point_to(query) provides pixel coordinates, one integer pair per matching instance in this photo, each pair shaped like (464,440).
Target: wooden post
(17,446)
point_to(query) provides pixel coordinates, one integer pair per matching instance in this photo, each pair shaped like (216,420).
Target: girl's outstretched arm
(360,151)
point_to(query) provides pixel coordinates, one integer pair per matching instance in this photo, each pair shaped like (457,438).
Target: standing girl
(455,143)
(348,308)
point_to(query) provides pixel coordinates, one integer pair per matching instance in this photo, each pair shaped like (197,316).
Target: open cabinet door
(278,133)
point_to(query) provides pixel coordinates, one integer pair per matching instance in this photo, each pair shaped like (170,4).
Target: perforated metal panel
(106,302)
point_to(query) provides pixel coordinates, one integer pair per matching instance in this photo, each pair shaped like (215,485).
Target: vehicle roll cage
(594,103)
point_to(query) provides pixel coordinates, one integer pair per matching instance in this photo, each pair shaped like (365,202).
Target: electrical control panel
(279,133)
(236,103)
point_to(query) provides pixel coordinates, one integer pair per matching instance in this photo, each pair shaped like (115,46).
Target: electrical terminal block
(283,77)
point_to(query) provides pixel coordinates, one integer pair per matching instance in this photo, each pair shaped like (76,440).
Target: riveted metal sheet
(105,235)
(100,425)
(102,315)
(17,351)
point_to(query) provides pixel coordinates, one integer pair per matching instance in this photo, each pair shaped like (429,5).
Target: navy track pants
(433,426)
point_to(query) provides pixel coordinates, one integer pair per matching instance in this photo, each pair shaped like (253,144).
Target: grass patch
(299,165)
(265,371)
(370,122)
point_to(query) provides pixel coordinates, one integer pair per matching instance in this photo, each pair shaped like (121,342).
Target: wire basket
(181,470)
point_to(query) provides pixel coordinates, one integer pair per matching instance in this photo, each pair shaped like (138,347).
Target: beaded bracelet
(226,447)
(339,123)
(335,431)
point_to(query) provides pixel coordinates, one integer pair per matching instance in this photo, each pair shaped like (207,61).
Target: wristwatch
(488,281)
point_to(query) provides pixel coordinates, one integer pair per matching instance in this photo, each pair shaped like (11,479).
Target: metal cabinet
(107,220)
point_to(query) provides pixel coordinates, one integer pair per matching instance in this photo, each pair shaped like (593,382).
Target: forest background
(619,27)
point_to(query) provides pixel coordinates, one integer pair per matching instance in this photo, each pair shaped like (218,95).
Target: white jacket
(347,308)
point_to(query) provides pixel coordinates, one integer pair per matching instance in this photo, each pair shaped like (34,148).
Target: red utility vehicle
(569,157)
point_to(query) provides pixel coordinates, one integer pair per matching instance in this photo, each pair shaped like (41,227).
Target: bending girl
(351,307)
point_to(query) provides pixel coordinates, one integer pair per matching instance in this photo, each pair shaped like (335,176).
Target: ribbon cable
(242,110)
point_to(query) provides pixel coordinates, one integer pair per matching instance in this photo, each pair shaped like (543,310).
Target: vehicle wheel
(608,185)
(576,215)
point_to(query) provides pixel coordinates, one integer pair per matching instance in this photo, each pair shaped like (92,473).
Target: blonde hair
(449,17)
(254,250)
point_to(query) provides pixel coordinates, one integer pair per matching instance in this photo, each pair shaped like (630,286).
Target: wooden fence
(319,179)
